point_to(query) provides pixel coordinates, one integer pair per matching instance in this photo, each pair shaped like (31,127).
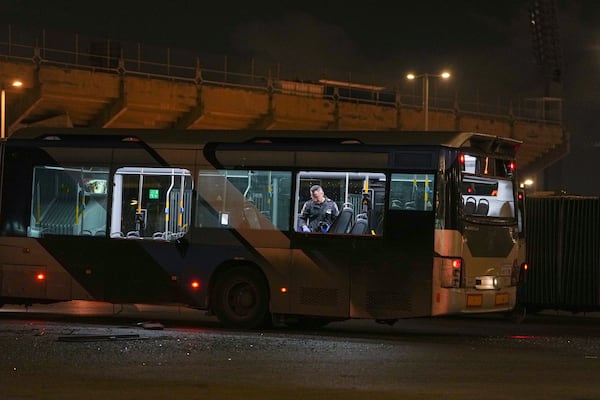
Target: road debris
(151,325)
(96,338)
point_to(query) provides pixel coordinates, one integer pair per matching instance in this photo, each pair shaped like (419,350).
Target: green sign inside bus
(153,194)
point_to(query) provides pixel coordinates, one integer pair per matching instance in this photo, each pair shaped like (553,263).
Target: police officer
(318,213)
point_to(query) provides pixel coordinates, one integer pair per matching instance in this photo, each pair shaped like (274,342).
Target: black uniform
(318,217)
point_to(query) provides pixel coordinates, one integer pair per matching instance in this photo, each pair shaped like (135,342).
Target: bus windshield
(487,188)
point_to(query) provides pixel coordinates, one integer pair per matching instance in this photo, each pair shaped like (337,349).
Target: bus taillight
(40,277)
(195,284)
(450,272)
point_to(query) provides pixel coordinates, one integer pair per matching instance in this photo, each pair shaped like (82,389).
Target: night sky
(486,44)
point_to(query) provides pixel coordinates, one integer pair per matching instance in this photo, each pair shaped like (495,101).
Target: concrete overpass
(94,84)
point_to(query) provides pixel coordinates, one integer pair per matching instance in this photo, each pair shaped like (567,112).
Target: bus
(427,222)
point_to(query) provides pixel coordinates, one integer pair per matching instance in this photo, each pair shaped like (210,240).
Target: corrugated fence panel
(563,252)
(541,222)
(580,257)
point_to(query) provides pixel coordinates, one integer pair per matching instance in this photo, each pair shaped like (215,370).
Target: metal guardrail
(127,58)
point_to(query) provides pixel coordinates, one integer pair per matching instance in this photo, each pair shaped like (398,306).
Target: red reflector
(283,290)
(195,284)
(525,266)
(462,158)
(40,276)
(456,263)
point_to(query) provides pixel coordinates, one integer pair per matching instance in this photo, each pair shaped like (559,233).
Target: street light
(526,184)
(443,75)
(15,84)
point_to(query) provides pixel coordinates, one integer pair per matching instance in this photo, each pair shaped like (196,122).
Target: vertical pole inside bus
(140,215)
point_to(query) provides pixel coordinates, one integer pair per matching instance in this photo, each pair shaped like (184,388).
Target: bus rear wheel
(241,299)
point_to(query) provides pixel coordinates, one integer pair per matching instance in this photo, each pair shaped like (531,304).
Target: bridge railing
(103,55)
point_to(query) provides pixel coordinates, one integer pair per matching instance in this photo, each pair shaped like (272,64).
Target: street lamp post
(3,107)
(443,75)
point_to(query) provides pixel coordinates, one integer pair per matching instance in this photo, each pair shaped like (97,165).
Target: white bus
(427,222)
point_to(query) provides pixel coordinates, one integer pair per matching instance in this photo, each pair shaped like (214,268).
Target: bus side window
(359,197)
(243,199)
(68,201)
(410,191)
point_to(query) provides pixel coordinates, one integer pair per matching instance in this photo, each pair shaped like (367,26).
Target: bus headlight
(488,282)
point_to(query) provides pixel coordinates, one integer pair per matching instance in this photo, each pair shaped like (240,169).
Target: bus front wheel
(517,315)
(241,298)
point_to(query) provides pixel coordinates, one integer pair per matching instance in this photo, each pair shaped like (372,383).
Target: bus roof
(198,138)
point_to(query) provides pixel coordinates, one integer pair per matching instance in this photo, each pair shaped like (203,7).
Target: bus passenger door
(325,260)
(391,277)
(319,275)
(390,274)
(152,203)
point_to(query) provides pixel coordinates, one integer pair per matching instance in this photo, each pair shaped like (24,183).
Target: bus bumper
(472,301)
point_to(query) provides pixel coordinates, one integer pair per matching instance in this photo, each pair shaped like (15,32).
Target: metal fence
(103,55)
(562,235)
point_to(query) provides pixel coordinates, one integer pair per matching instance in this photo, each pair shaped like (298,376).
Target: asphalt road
(95,351)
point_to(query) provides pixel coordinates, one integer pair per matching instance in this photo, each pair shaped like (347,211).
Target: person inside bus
(318,213)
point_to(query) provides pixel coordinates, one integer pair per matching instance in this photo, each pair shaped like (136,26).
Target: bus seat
(470,206)
(343,222)
(361,226)
(133,235)
(483,207)
(251,216)
(159,235)
(396,203)
(100,233)
(410,205)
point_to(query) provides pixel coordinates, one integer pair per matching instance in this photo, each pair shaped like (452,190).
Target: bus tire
(517,315)
(241,298)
